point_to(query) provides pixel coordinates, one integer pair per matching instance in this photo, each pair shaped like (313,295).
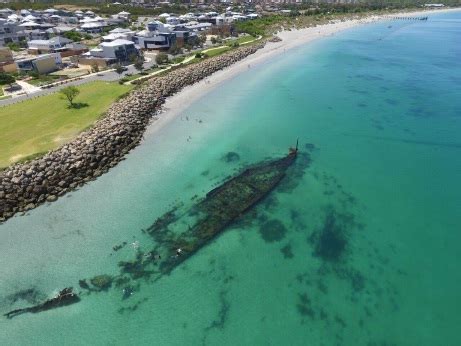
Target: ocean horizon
(357,246)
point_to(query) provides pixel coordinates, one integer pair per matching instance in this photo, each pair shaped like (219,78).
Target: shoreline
(25,186)
(177,103)
(92,153)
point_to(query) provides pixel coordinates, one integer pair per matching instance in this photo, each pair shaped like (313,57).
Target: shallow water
(371,243)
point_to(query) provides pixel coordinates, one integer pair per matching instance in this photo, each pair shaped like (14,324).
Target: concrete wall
(83,62)
(46,65)
(5,55)
(8,67)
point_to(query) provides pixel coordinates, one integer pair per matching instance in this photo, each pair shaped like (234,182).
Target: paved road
(108,76)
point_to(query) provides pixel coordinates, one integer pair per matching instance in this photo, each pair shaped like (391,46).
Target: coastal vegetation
(44,123)
(306,15)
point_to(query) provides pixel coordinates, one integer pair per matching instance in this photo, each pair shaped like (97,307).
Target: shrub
(161,58)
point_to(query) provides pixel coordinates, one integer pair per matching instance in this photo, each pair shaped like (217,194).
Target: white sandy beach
(176,104)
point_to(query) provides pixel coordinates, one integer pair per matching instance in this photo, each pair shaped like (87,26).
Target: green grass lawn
(42,80)
(35,126)
(137,75)
(217,51)
(242,39)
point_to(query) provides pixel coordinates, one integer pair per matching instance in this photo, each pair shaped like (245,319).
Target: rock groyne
(25,186)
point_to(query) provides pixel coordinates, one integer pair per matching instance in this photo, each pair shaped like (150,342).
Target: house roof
(29,24)
(59,29)
(30,18)
(13,16)
(76,45)
(119,31)
(112,37)
(33,42)
(93,25)
(116,43)
(54,40)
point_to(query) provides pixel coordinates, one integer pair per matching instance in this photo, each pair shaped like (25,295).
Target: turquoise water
(381,106)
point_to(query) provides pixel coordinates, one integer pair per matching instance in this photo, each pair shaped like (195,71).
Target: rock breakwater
(24,186)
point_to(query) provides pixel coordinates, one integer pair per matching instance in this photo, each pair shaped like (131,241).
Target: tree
(73,35)
(95,68)
(139,65)
(6,78)
(174,49)
(137,61)
(202,39)
(119,69)
(14,46)
(161,58)
(70,93)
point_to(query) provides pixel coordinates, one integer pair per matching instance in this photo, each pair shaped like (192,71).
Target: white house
(47,46)
(115,51)
(157,36)
(117,36)
(93,27)
(120,31)
(172,20)
(124,15)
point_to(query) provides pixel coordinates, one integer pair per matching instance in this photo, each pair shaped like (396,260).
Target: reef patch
(272,231)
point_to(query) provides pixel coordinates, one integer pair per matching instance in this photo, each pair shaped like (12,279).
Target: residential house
(157,36)
(59,30)
(5,12)
(172,20)
(118,36)
(10,32)
(42,64)
(107,53)
(73,49)
(184,35)
(55,44)
(124,15)
(93,25)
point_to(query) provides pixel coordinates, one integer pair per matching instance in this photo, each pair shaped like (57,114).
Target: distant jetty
(25,186)
(409,18)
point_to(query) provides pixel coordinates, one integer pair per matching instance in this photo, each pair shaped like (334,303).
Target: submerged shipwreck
(219,209)
(65,297)
(178,235)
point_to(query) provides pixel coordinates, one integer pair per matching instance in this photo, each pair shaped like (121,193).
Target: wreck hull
(221,207)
